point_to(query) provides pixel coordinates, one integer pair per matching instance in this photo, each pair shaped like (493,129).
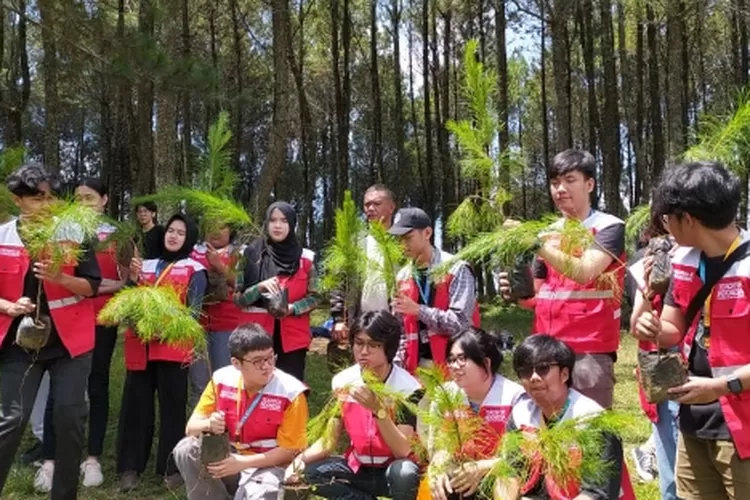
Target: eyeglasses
(371,346)
(459,360)
(259,363)
(542,369)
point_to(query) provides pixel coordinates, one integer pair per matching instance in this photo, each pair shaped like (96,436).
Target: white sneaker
(92,473)
(645,464)
(43,477)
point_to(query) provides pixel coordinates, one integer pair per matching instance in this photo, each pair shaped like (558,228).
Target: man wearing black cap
(431,311)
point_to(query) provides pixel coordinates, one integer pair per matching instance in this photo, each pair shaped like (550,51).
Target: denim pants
(665,434)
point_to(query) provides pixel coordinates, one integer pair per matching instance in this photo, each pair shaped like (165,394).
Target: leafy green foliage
(392,256)
(10,160)
(639,219)
(216,175)
(126,240)
(344,259)
(155,313)
(57,232)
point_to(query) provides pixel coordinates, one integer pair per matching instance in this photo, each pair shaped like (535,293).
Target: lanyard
(702,275)
(164,273)
(241,421)
(424,291)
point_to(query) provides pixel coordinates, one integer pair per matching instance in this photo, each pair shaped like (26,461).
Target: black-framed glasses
(371,345)
(459,360)
(542,369)
(259,363)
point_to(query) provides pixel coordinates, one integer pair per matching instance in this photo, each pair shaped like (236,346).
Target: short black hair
(250,337)
(381,188)
(479,345)
(25,181)
(149,205)
(96,184)
(573,160)
(705,190)
(541,348)
(381,326)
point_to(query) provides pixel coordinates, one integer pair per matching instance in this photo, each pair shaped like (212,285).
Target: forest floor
(20,481)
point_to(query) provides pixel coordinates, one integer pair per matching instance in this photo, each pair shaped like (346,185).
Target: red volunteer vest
(138,354)
(368,447)
(225,316)
(295,330)
(108,266)
(494,410)
(528,418)
(258,434)
(441,300)
(72,315)
(585,317)
(730,323)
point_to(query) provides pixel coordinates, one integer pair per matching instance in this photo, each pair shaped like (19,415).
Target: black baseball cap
(408,219)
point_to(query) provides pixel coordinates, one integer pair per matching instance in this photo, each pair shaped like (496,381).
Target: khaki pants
(710,470)
(594,377)
(251,484)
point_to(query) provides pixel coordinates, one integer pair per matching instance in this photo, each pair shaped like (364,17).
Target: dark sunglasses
(542,369)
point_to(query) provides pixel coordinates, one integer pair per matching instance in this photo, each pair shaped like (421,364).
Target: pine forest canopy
(325,96)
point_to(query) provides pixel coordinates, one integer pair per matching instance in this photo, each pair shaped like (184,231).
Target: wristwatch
(381,414)
(734,384)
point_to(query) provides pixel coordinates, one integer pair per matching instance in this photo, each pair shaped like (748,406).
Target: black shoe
(128,481)
(33,454)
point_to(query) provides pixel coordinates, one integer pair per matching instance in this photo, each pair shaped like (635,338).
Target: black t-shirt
(87,268)
(153,239)
(704,421)
(422,280)
(611,238)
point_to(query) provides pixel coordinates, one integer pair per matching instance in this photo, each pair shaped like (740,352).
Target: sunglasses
(542,369)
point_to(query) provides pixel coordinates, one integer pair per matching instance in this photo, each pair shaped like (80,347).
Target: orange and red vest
(258,434)
(108,265)
(368,447)
(730,323)
(72,315)
(138,354)
(494,411)
(295,330)
(586,317)
(225,316)
(527,417)
(407,285)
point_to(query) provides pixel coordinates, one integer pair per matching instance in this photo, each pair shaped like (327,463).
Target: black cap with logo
(408,219)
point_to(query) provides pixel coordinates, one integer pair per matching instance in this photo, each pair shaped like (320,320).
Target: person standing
(707,314)
(158,367)
(280,277)
(569,303)
(68,351)
(152,234)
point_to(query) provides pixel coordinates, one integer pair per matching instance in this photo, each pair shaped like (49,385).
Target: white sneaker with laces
(645,464)
(92,473)
(43,477)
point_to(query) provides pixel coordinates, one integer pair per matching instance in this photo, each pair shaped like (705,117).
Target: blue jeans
(665,434)
(218,349)
(333,478)
(200,374)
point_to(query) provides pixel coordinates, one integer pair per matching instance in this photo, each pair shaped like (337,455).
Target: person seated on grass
(264,412)
(379,461)
(545,366)
(473,358)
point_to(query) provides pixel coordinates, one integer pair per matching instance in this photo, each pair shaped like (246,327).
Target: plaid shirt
(303,306)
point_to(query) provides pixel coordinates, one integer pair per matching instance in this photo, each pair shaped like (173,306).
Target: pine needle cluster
(125,239)
(10,160)
(638,220)
(216,175)
(392,257)
(344,259)
(155,313)
(58,232)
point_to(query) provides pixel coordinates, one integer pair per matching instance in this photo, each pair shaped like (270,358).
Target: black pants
(19,382)
(136,429)
(292,362)
(98,390)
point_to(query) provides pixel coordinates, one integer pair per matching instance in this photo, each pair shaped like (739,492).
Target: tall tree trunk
(282,96)
(18,94)
(121,165)
(376,160)
(167,167)
(449,178)
(429,167)
(503,134)
(676,73)
(544,107)
(186,171)
(346,94)
(48,13)
(401,163)
(585,14)
(238,82)
(657,157)
(561,73)
(414,119)
(438,115)
(144,175)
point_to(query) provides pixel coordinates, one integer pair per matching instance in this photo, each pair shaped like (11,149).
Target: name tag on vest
(270,403)
(10,252)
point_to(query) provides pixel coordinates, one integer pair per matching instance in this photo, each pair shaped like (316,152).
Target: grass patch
(20,481)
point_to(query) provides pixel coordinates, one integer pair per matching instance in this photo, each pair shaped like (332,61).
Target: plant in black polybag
(659,371)
(278,303)
(661,271)
(521,278)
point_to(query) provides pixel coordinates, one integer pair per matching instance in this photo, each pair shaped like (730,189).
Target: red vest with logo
(730,325)
(258,434)
(108,266)
(138,354)
(586,317)
(368,447)
(527,417)
(295,330)
(225,316)
(441,300)
(494,411)
(72,315)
